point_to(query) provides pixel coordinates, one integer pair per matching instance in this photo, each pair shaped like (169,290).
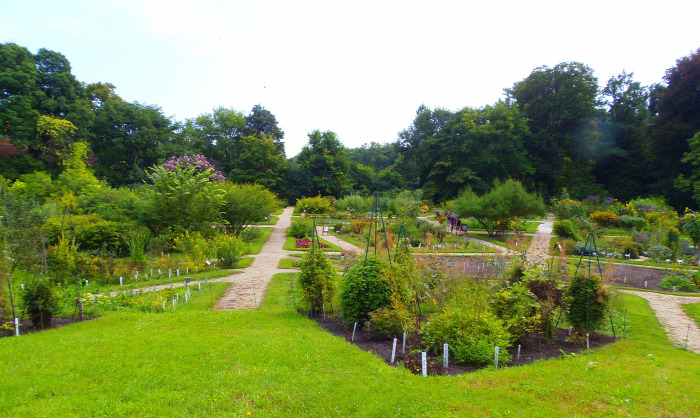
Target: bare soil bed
(631,276)
(26,326)
(534,348)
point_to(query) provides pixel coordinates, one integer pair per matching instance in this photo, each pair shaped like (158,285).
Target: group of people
(455,223)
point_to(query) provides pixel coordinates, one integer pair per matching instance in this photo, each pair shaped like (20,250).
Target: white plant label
(424,362)
(445,355)
(496,357)
(393,352)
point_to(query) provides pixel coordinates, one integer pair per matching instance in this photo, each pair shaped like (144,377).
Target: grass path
(670,314)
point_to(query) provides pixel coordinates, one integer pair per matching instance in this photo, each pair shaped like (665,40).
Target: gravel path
(538,252)
(248,289)
(668,311)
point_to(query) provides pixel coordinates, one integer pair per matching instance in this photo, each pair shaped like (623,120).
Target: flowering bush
(198,163)
(316,204)
(604,218)
(229,249)
(196,247)
(306,243)
(567,208)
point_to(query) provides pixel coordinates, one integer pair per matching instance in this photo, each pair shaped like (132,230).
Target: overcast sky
(358,68)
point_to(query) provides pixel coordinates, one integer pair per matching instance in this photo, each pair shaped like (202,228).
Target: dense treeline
(556,129)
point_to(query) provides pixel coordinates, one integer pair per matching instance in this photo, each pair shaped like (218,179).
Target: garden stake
(95,298)
(171,285)
(645,284)
(495,359)
(353,332)
(121,282)
(403,347)
(588,346)
(424,362)
(16,327)
(445,355)
(324,311)
(199,286)
(612,325)
(393,352)
(518,351)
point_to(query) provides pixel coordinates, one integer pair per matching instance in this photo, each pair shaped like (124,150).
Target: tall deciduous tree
(259,160)
(560,106)
(261,122)
(675,119)
(321,167)
(474,148)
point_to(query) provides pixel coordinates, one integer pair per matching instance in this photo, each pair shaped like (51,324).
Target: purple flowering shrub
(197,163)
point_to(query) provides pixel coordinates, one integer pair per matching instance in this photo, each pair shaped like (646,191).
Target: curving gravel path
(668,311)
(538,252)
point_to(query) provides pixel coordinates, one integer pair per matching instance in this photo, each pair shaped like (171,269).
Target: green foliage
(497,210)
(631,222)
(317,280)
(550,298)
(184,199)
(354,203)
(517,307)
(677,282)
(659,252)
(40,301)
(470,328)
(364,289)
(301,228)
(61,260)
(565,229)
(588,300)
(393,321)
(195,247)
(691,225)
(137,240)
(91,232)
(567,208)
(228,249)
(314,205)
(321,168)
(259,160)
(604,218)
(245,204)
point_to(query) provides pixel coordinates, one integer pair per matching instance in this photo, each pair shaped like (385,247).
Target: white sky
(358,68)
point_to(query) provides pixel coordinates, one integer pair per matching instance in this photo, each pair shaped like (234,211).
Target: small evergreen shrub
(393,321)
(40,302)
(317,280)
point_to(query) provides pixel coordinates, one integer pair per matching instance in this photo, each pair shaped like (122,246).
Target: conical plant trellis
(377,215)
(592,250)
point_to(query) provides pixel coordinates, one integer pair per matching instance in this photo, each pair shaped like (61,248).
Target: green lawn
(693,310)
(272,361)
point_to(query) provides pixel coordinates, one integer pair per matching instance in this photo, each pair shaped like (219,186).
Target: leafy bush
(672,281)
(313,205)
(40,302)
(250,234)
(354,203)
(301,228)
(625,245)
(61,260)
(229,249)
(195,247)
(91,232)
(565,229)
(550,298)
(631,222)
(394,321)
(471,335)
(567,208)
(517,307)
(364,290)
(245,204)
(658,252)
(587,302)
(604,218)
(317,280)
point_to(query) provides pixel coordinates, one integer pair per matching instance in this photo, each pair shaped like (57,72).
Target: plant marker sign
(17,327)
(424,363)
(496,357)
(445,355)
(393,352)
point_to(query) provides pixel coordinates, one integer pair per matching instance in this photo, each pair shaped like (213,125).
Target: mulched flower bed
(532,349)
(306,243)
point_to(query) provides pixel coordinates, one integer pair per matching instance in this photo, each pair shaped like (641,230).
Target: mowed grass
(693,311)
(272,361)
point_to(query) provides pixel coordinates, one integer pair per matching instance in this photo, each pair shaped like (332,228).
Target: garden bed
(27,326)
(534,348)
